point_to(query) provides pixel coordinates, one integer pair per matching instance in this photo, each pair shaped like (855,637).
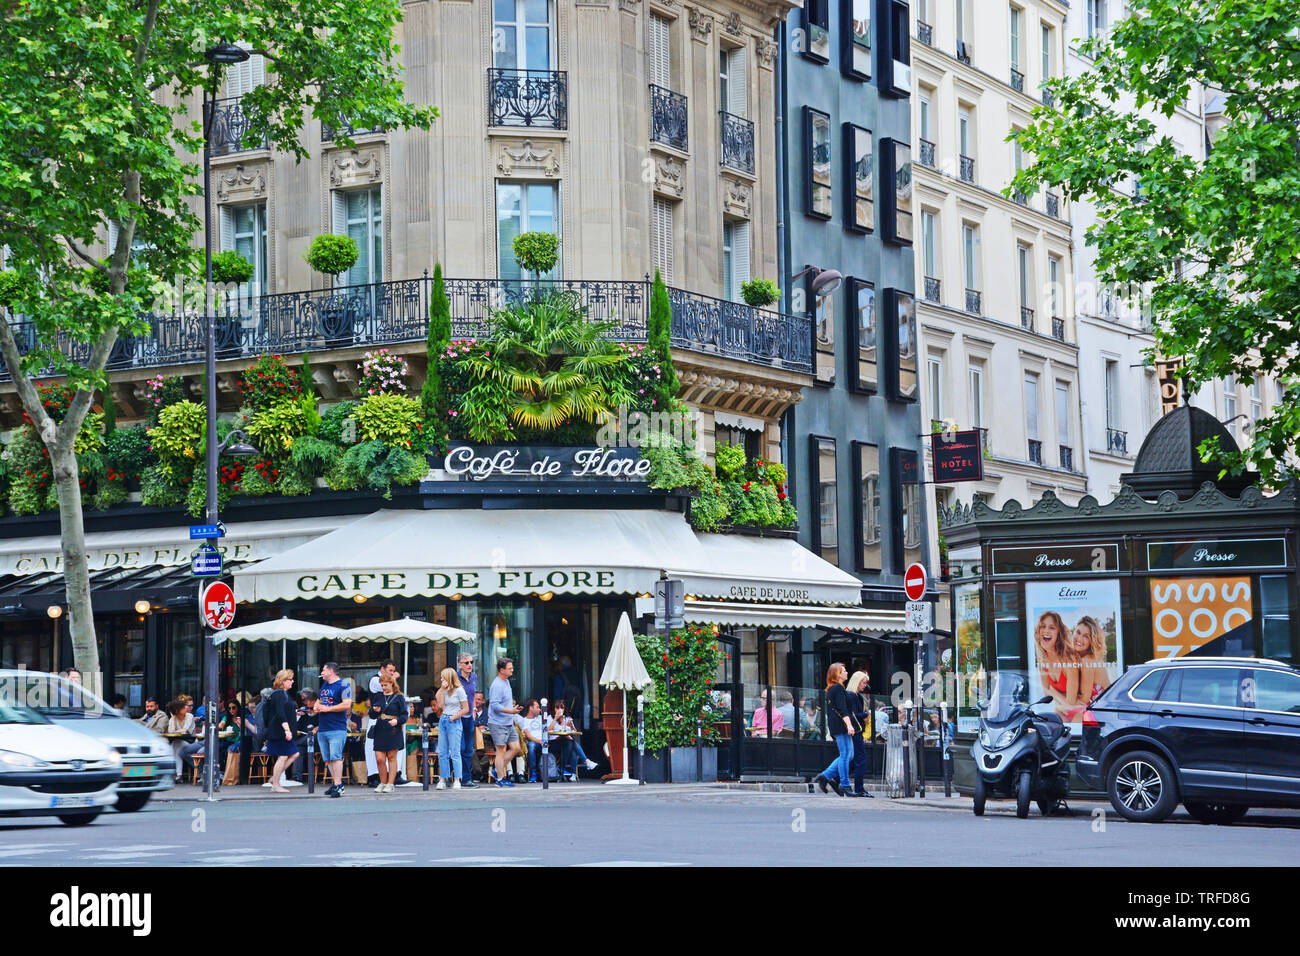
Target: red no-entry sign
(217,605)
(914,582)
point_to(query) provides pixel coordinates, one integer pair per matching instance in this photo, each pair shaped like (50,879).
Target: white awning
(766,570)
(442,553)
(165,547)
(859,619)
(469,552)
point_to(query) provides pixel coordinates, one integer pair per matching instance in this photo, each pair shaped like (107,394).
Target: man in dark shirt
(333,704)
(468,680)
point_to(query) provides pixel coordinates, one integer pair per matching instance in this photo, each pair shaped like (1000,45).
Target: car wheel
(131,802)
(79,819)
(1141,787)
(981,794)
(1024,788)
(1222,813)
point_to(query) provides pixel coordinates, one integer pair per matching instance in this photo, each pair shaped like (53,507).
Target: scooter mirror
(1043,700)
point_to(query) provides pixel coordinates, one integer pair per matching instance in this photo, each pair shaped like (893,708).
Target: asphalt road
(593,825)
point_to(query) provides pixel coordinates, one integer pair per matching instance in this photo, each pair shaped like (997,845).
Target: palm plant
(544,366)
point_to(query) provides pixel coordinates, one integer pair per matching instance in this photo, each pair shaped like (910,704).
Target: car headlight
(12,761)
(114,759)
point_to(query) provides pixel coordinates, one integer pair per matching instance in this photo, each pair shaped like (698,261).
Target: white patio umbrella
(625,670)
(407,631)
(282,629)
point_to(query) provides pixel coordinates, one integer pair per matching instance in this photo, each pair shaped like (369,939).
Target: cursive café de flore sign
(487,463)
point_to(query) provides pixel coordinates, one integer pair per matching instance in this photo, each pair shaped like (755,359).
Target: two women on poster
(1075,650)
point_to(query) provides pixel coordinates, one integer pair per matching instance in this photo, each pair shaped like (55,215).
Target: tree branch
(27,393)
(84,256)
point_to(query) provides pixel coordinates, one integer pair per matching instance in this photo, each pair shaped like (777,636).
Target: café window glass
(901,310)
(817,148)
(859,170)
(896,192)
(504,628)
(862,318)
(825,494)
(1276,608)
(866,482)
(824,329)
(816,28)
(1008,626)
(856,42)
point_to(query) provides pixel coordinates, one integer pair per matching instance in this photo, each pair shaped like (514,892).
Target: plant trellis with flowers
(382,373)
(682,666)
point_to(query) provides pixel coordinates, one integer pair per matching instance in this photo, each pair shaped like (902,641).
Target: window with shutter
(660,51)
(663,239)
(243,77)
(739,258)
(737,102)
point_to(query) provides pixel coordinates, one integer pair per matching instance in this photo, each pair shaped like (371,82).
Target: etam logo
(75,909)
(1043,561)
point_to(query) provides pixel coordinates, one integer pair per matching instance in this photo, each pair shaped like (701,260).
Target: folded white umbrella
(281,629)
(625,670)
(405,629)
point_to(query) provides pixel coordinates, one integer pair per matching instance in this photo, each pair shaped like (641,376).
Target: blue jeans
(535,760)
(857,765)
(840,766)
(467,746)
(449,740)
(573,754)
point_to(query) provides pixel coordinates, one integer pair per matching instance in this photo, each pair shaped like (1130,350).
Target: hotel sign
(957,456)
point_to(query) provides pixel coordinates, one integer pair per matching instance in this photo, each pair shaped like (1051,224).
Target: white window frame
(373,220)
(735,257)
(1062,393)
(934,383)
(1015,40)
(524,216)
(1033,400)
(975,386)
(929,259)
(970,255)
(520,25)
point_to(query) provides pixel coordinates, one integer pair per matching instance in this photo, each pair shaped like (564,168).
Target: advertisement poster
(1201,616)
(1075,643)
(970,656)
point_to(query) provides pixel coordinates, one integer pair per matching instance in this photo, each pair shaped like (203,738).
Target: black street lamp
(223,54)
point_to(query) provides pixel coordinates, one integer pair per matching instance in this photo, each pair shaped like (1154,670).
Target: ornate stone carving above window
(737,198)
(733,25)
(629,6)
(525,159)
(355,168)
(670,176)
(766,54)
(701,24)
(241,183)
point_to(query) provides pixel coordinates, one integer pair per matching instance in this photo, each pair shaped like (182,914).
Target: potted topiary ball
(759,292)
(536,252)
(334,255)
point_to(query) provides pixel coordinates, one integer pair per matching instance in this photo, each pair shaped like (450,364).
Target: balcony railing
(737,142)
(932,289)
(1020,198)
(1017,80)
(1027,318)
(925,32)
(668,118)
(1066,457)
(927,153)
(389,313)
(963,52)
(1058,329)
(1035,451)
(1116,441)
(528,98)
(973,301)
(1054,205)
(967,169)
(329,133)
(229,127)
(1049,99)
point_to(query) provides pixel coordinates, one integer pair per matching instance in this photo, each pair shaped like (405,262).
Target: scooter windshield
(1008,696)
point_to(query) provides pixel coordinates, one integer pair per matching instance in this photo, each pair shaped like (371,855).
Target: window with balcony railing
(668,118)
(1067,457)
(932,289)
(536,98)
(973,298)
(1027,318)
(1017,80)
(1058,328)
(967,164)
(229,128)
(1036,451)
(1116,441)
(925,33)
(927,153)
(329,133)
(1054,205)
(1049,99)
(737,135)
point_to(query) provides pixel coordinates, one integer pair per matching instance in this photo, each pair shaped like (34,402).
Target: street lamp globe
(225,54)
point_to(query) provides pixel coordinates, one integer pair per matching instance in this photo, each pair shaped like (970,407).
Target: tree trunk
(76,570)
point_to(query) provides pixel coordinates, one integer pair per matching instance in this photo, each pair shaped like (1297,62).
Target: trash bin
(893,776)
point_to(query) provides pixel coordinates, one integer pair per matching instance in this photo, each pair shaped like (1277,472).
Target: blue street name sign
(206,562)
(199,531)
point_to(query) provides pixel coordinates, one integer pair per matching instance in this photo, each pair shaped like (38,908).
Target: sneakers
(334,790)
(469,785)
(440,786)
(591,764)
(505,783)
(532,778)
(455,785)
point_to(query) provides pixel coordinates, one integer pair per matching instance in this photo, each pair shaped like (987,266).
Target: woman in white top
(570,747)
(453,705)
(179,721)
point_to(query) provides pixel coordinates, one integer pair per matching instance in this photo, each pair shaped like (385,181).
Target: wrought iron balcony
(1058,329)
(1017,80)
(1027,318)
(927,153)
(1035,451)
(963,51)
(932,289)
(1116,441)
(1067,457)
(1054,205)
(925,32)
(668,118)
(967,169)
(528,98)
(390,313)
(1020,198)
(737,142)
(1049,99)
(973,301)
(229,127)
(329,133)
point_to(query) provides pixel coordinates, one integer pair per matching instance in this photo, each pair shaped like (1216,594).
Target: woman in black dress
(280,725)
(388,712)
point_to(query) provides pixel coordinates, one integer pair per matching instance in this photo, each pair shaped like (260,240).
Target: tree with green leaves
(1211,245)
(659,333)
(97,139)
(433,398)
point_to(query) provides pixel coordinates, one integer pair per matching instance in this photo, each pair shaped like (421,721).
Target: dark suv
(1218,734)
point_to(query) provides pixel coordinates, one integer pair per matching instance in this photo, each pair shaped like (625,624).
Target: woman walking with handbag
(839,724)
(280,724)
(454,705)
(387,726)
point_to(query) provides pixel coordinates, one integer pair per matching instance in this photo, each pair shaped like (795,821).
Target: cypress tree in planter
(659,333)
(433,396)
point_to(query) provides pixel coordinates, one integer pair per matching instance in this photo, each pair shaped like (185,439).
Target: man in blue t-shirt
(333,705)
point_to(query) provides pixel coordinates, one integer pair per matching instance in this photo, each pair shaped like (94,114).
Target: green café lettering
(127,559)
(468,582)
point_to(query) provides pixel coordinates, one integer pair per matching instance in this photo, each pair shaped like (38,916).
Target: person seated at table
(180,721)
(570,747)
(530,724)
(786,701)
(229,730)
(155,717)
(808,714)
(758,727)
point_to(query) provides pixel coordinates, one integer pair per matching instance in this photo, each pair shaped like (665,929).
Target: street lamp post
(217,56)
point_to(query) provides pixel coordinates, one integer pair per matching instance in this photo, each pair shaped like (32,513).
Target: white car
(48,770)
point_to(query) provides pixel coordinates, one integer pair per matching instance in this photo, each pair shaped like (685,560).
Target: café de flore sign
(516,463)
